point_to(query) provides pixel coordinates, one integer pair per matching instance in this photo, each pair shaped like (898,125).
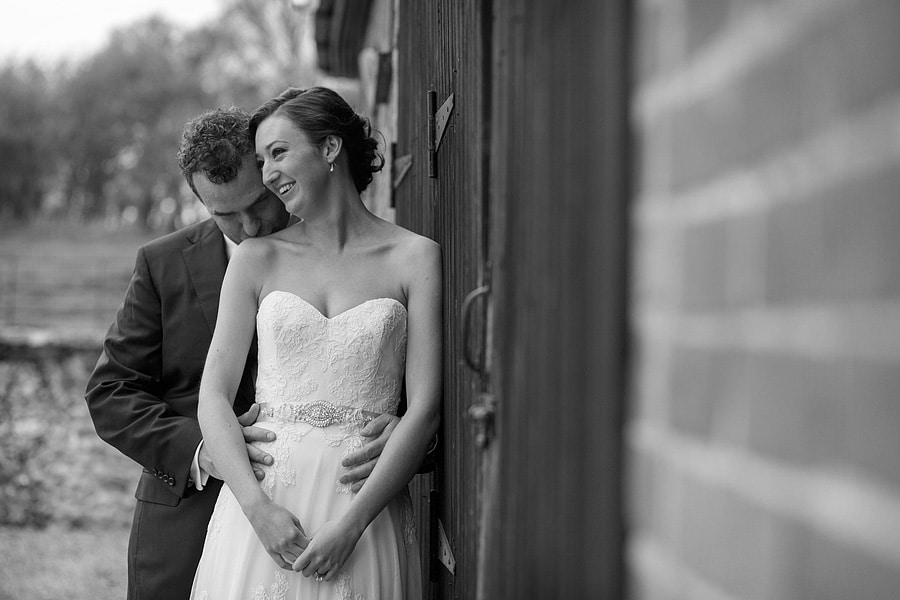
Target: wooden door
(529,200)
(559,230)
(440,49)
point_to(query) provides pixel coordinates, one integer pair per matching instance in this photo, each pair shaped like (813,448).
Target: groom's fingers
(362,456)
(360,462)
(357,474)
(379,425)
(249,417)
(257,434)
(258,456)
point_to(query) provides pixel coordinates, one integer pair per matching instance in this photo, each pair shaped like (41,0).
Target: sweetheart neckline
(323,315)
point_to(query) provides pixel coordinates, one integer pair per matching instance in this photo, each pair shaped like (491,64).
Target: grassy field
(58,563)
(65,278)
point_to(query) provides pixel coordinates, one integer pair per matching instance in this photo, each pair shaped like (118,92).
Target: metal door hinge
(437,125)
(445,552)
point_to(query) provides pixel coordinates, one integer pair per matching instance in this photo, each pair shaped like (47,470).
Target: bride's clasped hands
(278,529)
(328,550)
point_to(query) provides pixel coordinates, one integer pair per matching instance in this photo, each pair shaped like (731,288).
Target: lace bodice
(353,360)
(318,381)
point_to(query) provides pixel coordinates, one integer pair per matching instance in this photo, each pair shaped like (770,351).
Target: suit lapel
(206,261)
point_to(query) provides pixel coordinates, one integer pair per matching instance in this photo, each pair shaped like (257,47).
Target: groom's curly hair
(215,143)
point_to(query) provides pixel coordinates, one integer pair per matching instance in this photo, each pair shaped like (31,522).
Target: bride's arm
(278,529)
(402,455)
(221,376)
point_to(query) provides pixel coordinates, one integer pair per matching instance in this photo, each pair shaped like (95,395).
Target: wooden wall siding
(440,48)
(559,190)
(340,30)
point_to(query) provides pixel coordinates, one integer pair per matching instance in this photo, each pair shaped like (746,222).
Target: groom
(142,394)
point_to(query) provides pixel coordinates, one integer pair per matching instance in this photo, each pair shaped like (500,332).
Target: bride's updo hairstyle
(320,112)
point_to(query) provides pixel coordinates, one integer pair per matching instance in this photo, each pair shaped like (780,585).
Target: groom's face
(243,207)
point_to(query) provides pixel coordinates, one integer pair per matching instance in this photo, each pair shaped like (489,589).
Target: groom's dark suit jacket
(142,398)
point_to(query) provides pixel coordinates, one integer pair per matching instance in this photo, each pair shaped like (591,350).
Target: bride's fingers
(279,560)
(323,571)
(318,572)
(297,543)
(301,563)
(292,552)
(303,537)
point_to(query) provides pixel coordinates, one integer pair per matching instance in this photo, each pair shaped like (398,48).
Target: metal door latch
(482,415)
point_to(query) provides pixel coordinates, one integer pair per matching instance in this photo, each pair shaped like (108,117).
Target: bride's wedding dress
(320,380)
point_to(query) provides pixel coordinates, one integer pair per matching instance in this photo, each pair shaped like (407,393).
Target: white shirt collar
(230,246)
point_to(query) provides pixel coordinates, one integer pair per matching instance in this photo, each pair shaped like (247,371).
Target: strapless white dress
(320,380)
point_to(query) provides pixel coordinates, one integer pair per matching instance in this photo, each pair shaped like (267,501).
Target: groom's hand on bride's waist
(360,462)
(256,434)
(251,434)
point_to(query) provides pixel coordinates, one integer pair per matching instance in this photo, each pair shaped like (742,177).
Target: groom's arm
(125,393)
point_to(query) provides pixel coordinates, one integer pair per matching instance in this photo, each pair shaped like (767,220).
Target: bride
(344,304)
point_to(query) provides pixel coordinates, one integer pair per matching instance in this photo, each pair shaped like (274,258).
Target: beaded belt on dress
(317,413)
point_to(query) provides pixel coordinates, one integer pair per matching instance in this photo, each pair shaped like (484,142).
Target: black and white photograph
(450,300)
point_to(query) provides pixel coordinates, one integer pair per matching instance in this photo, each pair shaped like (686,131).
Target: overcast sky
(53,29)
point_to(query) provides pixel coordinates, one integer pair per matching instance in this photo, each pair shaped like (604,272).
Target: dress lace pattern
(357,356)
(320,380)
(277,591)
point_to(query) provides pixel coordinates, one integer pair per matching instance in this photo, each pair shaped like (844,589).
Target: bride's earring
(331,170)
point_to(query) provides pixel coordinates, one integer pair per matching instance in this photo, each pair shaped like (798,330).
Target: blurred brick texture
(763,439)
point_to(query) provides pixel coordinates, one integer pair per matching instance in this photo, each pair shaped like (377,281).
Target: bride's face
(292,167)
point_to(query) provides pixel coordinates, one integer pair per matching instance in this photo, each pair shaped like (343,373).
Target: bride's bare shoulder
(255,250)
(415,255)
(410,246)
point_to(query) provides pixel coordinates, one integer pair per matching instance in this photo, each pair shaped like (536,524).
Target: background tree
(125,110)
(26,151)
(256,49)
(96,139)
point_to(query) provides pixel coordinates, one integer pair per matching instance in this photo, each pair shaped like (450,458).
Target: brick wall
(763,439)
